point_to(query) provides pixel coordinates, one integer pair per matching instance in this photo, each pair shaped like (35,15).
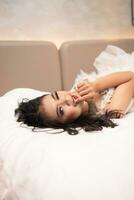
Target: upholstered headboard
(40,65)
(76,55)
(29,64)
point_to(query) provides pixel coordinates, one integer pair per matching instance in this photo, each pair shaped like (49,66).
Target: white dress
(112,59)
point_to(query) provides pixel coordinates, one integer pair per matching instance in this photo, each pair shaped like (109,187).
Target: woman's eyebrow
(56,94)
(53,96)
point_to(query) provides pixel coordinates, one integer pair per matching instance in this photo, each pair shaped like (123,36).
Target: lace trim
(107,95)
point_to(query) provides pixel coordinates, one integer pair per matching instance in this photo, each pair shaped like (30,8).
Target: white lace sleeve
(107,95)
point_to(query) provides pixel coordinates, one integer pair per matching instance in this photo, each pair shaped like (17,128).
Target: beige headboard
(37,65)
(76,55)
(29,64)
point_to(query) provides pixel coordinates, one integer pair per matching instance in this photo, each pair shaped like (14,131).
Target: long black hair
(28,113)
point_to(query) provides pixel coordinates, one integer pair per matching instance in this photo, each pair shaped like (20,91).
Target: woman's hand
(86,90)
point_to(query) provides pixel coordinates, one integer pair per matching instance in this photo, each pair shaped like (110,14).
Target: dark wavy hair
(28,113)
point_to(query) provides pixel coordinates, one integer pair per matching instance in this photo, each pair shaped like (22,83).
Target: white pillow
(9,101)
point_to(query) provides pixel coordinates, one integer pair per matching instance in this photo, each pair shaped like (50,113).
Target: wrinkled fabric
(96,165)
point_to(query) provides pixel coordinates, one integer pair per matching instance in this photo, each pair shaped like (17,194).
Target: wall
(62,20)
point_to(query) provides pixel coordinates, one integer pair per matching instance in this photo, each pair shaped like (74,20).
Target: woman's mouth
(75,98)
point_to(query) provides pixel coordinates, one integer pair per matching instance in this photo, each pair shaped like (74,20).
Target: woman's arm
(87,90)
(112,80)
(122,97)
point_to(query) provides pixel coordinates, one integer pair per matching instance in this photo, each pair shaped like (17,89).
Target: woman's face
(60,106)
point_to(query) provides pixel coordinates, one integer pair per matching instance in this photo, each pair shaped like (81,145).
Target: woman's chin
(84,105)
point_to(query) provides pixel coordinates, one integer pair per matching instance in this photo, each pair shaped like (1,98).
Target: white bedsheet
(96,166)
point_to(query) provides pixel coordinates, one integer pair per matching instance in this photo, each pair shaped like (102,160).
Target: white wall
(62,20)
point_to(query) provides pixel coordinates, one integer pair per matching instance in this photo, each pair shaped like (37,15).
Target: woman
(90,107)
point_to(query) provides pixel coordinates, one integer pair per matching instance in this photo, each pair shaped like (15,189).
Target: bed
(44,165)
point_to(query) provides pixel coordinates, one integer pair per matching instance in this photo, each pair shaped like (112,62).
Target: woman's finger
(84,87)
(89,96)
(86,97)
(81,84)
(85,92)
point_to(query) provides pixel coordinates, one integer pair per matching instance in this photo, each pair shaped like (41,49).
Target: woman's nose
(66,101)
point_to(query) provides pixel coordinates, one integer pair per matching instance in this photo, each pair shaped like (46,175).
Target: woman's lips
(75,98)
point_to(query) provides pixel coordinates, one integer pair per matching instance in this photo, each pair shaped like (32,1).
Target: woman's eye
(61,110)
